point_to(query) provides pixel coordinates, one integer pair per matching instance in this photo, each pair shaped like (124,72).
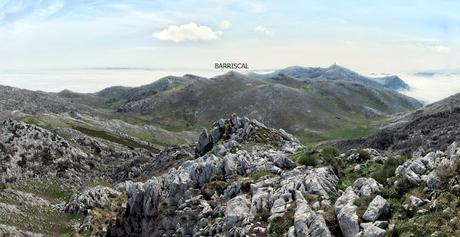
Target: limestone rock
(378,207)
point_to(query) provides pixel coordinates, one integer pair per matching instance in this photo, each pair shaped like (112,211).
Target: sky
(55,38)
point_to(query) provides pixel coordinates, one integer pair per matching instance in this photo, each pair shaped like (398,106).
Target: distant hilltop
(336,73)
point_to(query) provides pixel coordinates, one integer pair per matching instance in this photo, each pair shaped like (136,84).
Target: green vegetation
(263,215)
(53,191)
(363,156)
(116,139)
(307,157)
(443,218)
(327,156)
(388,169)
(329,152)
(256,175)
(163,209)
(42,219)
(353,132)
(311,198)
(210,188)
(280,226)
(447,171)
(349,175)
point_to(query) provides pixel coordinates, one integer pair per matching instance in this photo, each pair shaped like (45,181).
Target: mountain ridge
(191,101)
(336,72)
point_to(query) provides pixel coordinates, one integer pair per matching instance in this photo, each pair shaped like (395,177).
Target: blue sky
(369,36)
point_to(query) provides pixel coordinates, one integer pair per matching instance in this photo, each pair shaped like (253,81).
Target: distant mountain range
(336,73)
(313,103)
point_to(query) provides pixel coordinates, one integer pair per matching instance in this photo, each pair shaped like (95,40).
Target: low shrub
(280,226)
(329,152)
(363,155)
(256,175)
(308,157)
(446,171)
(263,215)
(331,221)
(388,169)
(402,185)
(209,189)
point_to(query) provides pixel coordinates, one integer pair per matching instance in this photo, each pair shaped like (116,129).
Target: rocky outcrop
(236,129)
(174,203)
(96,197)
(27,151)
(306,221)
(346,209)
(366,186)
(353,155)
(429,168)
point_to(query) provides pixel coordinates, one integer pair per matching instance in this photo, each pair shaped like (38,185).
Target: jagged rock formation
(179,198)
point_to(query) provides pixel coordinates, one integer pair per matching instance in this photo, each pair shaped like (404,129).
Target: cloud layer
(187,32)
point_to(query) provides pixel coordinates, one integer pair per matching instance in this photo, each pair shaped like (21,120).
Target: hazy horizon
(427,89)
(52,45)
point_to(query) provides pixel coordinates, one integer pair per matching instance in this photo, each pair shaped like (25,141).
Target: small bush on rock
(363,155)
(308,157)
(329,152)
(388,169)
(402,185)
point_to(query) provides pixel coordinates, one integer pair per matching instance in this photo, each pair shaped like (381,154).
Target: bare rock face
(348,220)
(372,231)
(27,151)
(306,221)
(94,197)
(237,212)
(366,186)
(378,207)
(237,129)
(345,207)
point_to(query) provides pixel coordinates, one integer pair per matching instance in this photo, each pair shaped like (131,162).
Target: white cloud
(225,25)
(432,46)
(263,29)
(187,32)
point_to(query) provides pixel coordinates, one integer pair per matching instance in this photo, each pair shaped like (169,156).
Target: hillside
(313,110)
(51,111)
(33,102)
(432,127)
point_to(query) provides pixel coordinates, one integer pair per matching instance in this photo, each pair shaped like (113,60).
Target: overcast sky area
(90,44)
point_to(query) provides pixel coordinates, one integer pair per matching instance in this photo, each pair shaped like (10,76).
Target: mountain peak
(335,72)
